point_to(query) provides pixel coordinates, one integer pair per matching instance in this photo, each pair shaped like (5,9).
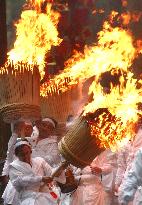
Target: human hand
(96,170)
(59,170)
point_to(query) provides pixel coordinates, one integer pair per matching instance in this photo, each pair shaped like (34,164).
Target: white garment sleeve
(132,180)
(106,169)
(104,163)
(20,180)
(47,168)
(48,171)
(10,154)
(122,166)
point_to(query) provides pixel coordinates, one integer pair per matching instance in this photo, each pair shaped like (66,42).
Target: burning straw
(36,32)
(118,111)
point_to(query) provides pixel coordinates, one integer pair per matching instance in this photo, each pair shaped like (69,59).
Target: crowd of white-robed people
(33,159)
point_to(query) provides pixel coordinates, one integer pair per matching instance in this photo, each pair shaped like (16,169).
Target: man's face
(28,129)
(25,154)
(45,129)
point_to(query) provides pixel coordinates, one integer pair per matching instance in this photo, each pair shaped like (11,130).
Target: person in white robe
(22,129)
(46,144)
(123,163)
(137,144)
(43,145)
(128,184)
(29,175)
(125,159)
(97,181)
(132,180)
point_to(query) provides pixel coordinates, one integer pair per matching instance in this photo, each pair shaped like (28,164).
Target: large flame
(114,50)
(36,33)
(111,132)
(115,127)
(121,101)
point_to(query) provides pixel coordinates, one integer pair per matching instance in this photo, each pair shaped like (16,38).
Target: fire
(129,17)
(19,67)
(100,11)
(36,4)
(36,33)
(124,3)
(109,53)
(126,18)
(114,52)
(139,46)
(111,132)
(115,126)
(136,16)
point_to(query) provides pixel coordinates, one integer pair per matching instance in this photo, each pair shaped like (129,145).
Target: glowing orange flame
(36,33)
(100,11)
(36,4)
(109,53)
(122,105)
(113,52)
(111,132)
(19,67)
(136,16)
(128,17)
(139,45)
(124,3)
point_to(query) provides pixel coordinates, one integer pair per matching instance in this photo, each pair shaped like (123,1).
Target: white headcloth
(49,120)
(19,143)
